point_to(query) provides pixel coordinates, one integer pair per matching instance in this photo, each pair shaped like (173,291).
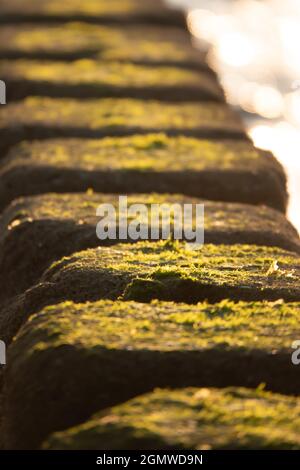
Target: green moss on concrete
(138,44)
(91,356)
(35,231)
(228,170)
(70,37)
(167,326)
(67,9)
(97,117)
(91,78)
(219,216)
(118,112)
(159,270)
(211,272)
(157,152)
(90,7)
(199,419)
(124,11)
(88,71)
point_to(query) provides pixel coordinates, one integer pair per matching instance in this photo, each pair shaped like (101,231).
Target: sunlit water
(255,48)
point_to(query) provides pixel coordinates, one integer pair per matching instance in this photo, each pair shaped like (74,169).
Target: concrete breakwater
(109,99)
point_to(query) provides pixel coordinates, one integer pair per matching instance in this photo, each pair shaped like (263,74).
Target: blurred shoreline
(254,47)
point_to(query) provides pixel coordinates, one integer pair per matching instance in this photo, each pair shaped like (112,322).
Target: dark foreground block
(94,11)
(140,44)
(192,419)
(41,118)
(88,78)
(69,361)
(35,231)
(224,170)
(166,271)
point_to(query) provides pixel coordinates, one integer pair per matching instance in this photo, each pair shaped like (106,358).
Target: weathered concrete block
(95,11)
(167,271)
(69,361)
(140,44)
(171,271)
(198,419)
(41,118)
(88,78)
(36,231)
(224,170)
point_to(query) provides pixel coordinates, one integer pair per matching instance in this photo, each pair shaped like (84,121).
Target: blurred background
(254,45)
